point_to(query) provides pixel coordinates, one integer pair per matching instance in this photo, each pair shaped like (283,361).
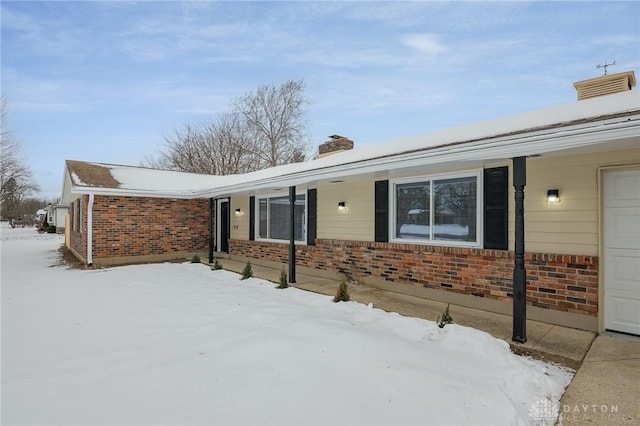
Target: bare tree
(275,117)
(229,137)
(16,180)
(264,129)
(182,151)
(219,147)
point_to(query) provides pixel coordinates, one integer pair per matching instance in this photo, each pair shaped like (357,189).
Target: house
(441,216)
(56,215)
(125,214)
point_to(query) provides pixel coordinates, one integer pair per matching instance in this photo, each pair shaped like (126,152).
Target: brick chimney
(605,85)
(334,145)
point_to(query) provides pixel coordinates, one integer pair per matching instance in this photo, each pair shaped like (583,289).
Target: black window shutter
(382,211)
(312,214)
(496,210)
(252,218)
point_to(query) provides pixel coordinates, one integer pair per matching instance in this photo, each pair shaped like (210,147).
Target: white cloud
(424,43)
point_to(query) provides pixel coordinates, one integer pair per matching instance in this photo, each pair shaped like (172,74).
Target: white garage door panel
(622,251)
(625,315)
(622,229)
(622,188)
(622,274)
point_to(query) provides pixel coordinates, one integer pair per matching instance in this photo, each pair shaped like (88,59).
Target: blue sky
(106,81)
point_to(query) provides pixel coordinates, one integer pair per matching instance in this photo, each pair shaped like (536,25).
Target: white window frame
(80,215)
(478,174)
(280,195)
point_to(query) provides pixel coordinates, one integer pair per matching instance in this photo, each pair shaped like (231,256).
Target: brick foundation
(559,282)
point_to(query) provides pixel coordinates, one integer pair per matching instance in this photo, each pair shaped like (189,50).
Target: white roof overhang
(122,192)
(612,133)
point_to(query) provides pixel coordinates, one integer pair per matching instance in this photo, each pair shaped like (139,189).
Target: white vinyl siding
(356,222)
(570,226)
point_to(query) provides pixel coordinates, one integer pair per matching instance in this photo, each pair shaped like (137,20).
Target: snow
(162,180)
(181,344)
(76,179)
(185,184)
(422,231)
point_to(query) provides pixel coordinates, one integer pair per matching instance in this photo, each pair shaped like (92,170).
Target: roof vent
(605,85)
(334,145)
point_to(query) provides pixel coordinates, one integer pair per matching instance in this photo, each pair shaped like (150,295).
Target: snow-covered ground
(181,344)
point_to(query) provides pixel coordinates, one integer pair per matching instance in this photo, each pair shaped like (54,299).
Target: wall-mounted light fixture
(342,205)
(553,196)
(238,212)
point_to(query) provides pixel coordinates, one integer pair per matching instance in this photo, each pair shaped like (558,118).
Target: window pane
(299,217)
(454,209)
(262,217)
(279,218)
(412,210)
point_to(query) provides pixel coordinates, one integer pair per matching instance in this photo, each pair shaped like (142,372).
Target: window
(272,218)
(74,225)
(440,209)
(77,213)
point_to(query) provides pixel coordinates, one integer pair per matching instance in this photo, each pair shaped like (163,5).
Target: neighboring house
(56,215)
(433,216)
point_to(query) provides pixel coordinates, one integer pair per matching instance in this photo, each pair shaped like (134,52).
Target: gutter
(90,230)
(84,190)
(522,143)
(506,147)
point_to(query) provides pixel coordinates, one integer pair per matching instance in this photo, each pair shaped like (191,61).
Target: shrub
(195,259)
(342,295)
(50,229)
(284,279)
(247,272)
(446,318)
(216,265)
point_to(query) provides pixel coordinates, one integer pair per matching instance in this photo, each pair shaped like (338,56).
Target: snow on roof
(152,179)
(168,183)
(557,116)
(136,179)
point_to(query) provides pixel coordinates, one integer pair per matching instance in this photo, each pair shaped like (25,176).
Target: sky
(107,81)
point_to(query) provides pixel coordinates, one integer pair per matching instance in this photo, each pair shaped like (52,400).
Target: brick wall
(560,282)
(78,237)
(337,143)
(137,226)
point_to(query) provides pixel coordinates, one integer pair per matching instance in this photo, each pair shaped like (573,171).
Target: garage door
(622,251)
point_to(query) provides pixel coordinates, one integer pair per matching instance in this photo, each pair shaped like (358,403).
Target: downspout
(90,230)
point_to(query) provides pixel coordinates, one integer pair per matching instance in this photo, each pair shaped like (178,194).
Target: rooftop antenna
(605,66)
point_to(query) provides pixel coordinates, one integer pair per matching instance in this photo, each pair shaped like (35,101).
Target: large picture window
(443,209)
(273,218)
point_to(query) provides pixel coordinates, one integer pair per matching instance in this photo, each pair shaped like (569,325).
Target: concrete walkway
(606,388)
(608,376)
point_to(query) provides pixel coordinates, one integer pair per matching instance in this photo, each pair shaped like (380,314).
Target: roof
(93,177)
(577,124)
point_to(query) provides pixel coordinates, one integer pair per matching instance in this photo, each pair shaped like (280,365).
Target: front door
(621,192)
(223,226)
